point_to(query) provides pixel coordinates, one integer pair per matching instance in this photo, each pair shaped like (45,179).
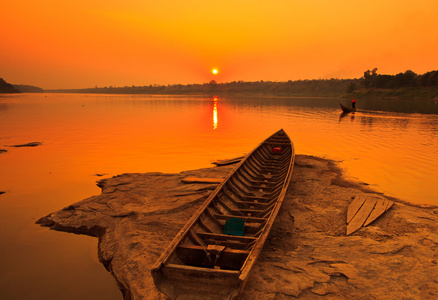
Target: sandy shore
(307,254)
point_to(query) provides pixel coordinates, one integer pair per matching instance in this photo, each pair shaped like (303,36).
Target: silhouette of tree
(369,78)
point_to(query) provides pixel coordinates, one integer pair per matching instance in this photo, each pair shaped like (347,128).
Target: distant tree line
(407,79)
(322,87)
(372,83)
(24,88)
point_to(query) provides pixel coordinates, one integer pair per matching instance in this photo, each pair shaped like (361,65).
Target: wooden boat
(213,254)
(346,109)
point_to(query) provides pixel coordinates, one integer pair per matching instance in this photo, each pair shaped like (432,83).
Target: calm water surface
(391,145)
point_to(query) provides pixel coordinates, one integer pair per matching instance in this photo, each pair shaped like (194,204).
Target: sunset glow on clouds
(78,44)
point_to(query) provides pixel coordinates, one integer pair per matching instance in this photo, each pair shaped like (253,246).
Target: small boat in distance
(212,255)
(346,109)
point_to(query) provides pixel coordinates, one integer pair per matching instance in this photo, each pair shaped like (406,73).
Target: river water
(392,145)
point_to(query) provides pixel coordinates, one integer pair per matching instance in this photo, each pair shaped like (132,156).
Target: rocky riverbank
(306,256)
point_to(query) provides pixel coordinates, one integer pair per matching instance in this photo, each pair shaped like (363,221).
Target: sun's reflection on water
(215,119)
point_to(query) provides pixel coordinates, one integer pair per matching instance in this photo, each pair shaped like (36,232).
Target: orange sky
(83,43)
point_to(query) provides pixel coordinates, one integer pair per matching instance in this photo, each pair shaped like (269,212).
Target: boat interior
(227,229)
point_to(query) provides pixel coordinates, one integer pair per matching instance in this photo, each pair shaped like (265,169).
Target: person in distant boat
(353,103)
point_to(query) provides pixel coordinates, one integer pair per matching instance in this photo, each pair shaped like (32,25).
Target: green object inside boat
(235,226)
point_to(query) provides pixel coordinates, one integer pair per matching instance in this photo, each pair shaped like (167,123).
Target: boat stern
(186,282)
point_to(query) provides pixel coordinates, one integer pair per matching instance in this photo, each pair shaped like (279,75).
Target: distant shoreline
(300,88)
(343,88)
(401,93)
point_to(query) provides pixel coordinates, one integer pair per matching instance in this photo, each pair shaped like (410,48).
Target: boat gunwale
(247,265)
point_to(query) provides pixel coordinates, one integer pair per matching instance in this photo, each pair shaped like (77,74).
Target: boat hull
(346,109)
(205,261)
(180,282)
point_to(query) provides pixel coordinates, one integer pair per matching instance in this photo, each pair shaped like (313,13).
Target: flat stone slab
(306,256)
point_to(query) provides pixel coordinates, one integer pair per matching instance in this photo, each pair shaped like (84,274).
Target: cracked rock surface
(307,254)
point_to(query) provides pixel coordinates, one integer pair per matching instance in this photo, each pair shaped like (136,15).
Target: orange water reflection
(87,134)
(215,118)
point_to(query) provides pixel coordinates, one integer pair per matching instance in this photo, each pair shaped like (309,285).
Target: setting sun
(214,71)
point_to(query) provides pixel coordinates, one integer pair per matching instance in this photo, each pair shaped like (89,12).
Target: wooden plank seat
(256,179)
(260,199)
(226,237)
(256,203)
(250,227)
(229,243)
(201,256)
(227,208)
(245,218)
(258,212)
(254,186)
